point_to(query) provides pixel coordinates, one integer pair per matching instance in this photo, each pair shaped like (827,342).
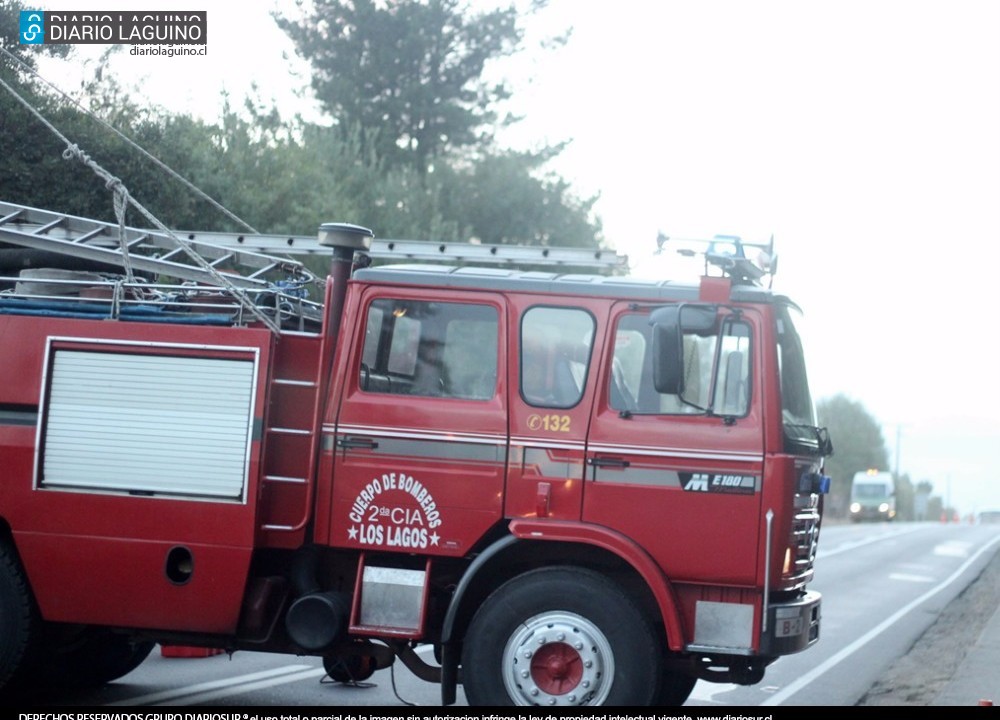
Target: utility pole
(947,503)
(899,432)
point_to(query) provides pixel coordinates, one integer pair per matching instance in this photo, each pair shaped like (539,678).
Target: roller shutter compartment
(152,424)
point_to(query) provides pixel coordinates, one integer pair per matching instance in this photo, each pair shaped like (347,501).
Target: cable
(392,677)
(121,194)
(159,163)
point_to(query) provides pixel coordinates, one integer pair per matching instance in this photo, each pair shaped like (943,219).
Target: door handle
(356,443)
(543,499)
(606,462)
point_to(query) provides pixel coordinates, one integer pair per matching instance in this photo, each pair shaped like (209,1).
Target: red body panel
(545,477)
(99,557)
(432,480)
(689,532)
(288,478)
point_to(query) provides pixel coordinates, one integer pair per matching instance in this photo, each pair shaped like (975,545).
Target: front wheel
(560,637)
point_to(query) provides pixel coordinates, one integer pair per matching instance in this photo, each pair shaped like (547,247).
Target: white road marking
(706,691)
(201,698)
(847,546)
(904,577)
(848,650)
(162,695)
(953,548)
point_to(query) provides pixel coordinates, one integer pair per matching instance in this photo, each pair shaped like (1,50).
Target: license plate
(789,626)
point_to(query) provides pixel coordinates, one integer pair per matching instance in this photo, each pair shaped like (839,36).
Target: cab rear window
(555,355)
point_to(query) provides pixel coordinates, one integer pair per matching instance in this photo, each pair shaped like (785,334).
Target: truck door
(421,440)
(550,409)
(681,475)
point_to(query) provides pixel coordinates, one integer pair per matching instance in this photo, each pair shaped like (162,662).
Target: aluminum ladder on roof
(148,250)
(428,250)
(255,256)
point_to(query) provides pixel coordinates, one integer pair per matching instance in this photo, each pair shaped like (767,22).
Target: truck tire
(92,658)
(675,689)
(18,619)
(560,637)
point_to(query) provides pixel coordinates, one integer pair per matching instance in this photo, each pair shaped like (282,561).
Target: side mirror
(668,359)
(669,324)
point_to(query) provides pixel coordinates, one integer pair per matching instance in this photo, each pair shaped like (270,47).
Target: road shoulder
(953,663)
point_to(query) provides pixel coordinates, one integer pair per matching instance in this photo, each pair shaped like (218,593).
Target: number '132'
(549,423)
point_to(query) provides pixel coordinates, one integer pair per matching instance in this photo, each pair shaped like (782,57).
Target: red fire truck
(579,489)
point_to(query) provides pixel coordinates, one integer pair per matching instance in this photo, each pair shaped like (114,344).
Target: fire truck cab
(580,489)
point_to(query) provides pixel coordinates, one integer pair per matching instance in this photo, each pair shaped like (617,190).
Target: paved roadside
(977,679)
(956,662)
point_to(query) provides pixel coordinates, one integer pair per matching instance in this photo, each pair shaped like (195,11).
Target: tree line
(858,446)
(408,146)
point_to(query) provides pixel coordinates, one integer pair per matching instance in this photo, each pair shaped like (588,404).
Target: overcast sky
(863,134)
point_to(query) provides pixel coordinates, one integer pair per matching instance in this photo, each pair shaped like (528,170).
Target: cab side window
(716,376)
(732,376)
(430,349)
(555,355)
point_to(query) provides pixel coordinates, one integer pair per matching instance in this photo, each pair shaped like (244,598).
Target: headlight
(855,507)
(884,507)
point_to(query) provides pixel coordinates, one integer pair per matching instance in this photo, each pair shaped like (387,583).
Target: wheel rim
(558,658)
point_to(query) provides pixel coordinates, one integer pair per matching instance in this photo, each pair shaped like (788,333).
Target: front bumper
(792,625)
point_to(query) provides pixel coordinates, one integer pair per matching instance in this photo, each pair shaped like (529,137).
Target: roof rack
(473,253)
(256,270)
(257,255)
(148,250)
(729,253)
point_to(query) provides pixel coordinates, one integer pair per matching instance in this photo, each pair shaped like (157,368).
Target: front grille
(803,541)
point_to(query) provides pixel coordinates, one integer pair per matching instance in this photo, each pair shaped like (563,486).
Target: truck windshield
(871,491)
(797,411)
